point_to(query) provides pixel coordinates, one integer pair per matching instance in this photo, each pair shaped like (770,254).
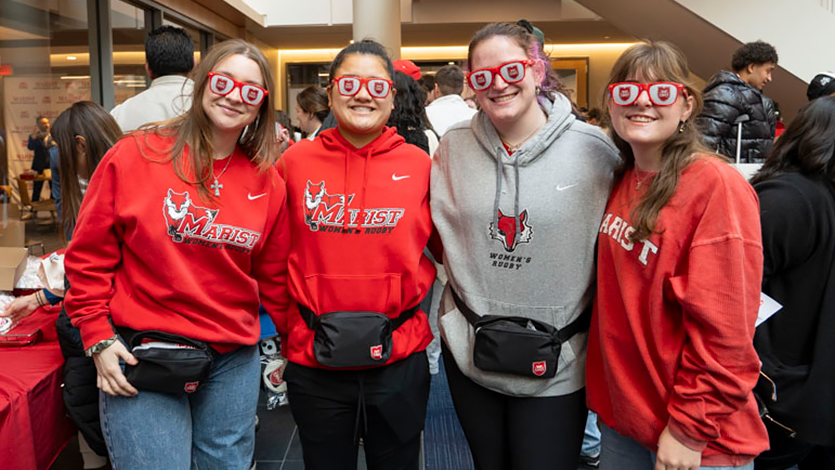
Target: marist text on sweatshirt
(149,253)
(360,221)
(671,338)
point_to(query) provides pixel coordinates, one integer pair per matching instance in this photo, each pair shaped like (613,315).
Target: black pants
(511,433)
(37,187)
(786,451)
(386,406)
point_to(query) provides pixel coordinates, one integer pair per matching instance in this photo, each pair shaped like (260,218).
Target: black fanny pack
(168,363)
(352,339)
(517,345)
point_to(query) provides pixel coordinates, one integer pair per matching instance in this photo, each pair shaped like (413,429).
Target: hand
(673,455)
(21,307)
(109,378)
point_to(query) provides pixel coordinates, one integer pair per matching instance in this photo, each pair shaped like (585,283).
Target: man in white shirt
(169,57)
(449,108)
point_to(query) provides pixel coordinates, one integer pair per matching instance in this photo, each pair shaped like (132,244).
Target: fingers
(111,379)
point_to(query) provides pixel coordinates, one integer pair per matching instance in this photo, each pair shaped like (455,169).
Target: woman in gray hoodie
(517,196)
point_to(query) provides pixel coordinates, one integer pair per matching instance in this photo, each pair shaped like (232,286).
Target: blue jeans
(591,437)
(211,428)
(622,453)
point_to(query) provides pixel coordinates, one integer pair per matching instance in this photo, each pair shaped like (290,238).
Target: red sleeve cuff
(677,432)
(93,331)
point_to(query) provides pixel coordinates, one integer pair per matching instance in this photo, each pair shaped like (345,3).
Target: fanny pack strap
(582,323)
(312,320)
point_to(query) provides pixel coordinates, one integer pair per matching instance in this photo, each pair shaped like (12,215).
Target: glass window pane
(128,23)
(44,68)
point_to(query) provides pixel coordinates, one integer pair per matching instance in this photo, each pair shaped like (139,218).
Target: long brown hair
(657,61)
(100,132)
(193,129)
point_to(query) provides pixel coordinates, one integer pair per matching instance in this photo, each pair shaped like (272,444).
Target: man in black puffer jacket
(731,96)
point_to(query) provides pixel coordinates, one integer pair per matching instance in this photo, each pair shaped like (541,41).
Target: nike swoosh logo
(394,177)
(563,188)
(252,198)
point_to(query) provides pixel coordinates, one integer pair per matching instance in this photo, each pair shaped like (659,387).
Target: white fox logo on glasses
(660,93)
(350,86)
(511,72)
(222,85)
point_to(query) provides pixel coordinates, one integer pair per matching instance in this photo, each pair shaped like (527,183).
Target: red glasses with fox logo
(222,85)
(511,72)
(350,86)
(660,93)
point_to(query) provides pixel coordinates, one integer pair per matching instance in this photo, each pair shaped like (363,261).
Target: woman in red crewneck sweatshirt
(183,230)
(671,363)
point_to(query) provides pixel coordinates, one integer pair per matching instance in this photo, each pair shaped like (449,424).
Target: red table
(34,427)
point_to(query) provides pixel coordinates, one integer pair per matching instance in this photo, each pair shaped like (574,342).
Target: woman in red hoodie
(358,202)
(182,229)
(671,363)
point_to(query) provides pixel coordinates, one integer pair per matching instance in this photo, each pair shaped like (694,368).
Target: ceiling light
(72,57)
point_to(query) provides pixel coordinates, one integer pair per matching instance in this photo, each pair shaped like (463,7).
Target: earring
(538,90)
(681,126)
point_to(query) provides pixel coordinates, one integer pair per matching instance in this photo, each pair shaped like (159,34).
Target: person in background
(594,116)
(796,187)
(427,84)
(311,110)
(211,174)
(779,127)
(449,108)
(408,67)
(517,198)
(358,202)
(409,116)
(471,102)
(822,85)
(83,133)
(284,130)
(169,57)
(40,142)
(671,361)
(735,98)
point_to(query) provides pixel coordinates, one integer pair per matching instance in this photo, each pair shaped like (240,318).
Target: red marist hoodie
(360,221)
(671,341)
(149,253)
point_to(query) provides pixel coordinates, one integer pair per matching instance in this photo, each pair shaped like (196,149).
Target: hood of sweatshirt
(558,121)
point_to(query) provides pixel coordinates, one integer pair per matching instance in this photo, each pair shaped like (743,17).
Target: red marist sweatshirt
(149,253)
(360,221)
(671,338)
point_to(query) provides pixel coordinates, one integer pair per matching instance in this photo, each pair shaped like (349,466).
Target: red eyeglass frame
(363,84)
(239,86)
(642,87)
(496,71)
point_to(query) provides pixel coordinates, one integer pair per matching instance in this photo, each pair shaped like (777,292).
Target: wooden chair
(27,204)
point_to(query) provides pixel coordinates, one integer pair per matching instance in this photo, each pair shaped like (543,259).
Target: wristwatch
(100,346)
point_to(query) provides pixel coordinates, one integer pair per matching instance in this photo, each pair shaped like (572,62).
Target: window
(128,24)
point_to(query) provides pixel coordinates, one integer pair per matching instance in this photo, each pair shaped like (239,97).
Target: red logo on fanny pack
(538,368)
(191,387)
(377,352)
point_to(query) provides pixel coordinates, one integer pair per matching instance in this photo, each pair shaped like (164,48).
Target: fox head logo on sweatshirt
(189,223)
(506,230)
(327,213)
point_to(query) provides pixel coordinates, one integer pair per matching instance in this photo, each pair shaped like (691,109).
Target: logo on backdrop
(506,233)
(325,212)
(190,224)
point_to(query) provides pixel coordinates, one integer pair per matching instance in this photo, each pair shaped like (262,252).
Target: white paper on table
(768,307)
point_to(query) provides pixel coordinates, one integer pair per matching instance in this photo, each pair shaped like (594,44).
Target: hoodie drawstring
(497,200)
(346,214)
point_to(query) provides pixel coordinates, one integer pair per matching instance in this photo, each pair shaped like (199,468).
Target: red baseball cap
(408,67)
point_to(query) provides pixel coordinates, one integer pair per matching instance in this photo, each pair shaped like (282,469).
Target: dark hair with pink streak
(550,83)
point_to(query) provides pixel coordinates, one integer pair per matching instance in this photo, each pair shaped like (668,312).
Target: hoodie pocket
(348,293)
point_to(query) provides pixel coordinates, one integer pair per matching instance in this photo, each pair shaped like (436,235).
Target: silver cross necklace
(216,185)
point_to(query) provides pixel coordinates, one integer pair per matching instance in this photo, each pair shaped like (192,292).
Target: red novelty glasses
(511,72)
(350,86)
(660,93)
(222,85)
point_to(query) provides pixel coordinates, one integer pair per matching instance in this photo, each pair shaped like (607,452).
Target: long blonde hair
(658,61)
(194,130)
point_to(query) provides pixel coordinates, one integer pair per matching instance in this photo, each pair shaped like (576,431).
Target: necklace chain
(515,147)
(639,179)
(216,185)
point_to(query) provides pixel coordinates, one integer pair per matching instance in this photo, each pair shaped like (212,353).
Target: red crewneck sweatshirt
(150,254)
(360,221)
(671,339)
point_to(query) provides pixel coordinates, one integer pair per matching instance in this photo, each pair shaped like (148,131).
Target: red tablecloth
(34,427)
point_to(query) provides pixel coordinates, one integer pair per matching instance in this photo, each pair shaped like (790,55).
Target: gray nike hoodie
(519,234)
